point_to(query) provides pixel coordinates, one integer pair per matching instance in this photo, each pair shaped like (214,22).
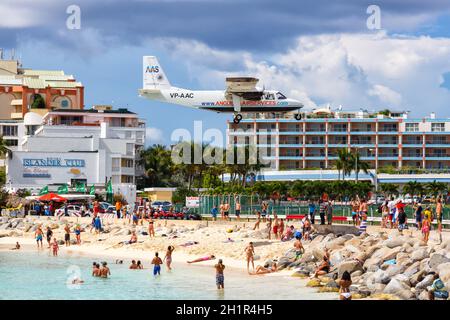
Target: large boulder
(318,253)
(395,286)
(417,277)
(437,259)
(394,242)
(419,254)
(412,269)
(350,266)
(444,272)
(427,281)
(406,294)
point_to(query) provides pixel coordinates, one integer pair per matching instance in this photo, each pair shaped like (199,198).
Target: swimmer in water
(95,269)
(104,270)
(133,264)
(210,257)
(219,274)
(139,265)
(77,281)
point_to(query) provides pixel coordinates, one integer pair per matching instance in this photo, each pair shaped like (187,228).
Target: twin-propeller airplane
(241,94)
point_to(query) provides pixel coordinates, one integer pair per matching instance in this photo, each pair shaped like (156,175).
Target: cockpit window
(269,96)
(280,96)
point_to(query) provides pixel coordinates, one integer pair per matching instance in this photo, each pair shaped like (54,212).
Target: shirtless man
(67,235)
(39,235)
(299,250)
(157,262)
(95,269)
(219,274)
(133,265)
(250,252)
(238,211)
(104,271)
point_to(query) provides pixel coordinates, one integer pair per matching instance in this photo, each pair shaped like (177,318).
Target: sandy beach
(212,237)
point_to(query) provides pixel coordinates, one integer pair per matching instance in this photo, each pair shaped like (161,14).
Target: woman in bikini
(151,228)
(250,252)
(168,257)
(344,286)
(263,270)
(426,230)
(324,267)
(258,220)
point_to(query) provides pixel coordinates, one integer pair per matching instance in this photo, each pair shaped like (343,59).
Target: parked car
(73,211)
(194,216)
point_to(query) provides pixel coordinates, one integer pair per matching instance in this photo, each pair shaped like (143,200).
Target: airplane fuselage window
(269,96)
(280,96)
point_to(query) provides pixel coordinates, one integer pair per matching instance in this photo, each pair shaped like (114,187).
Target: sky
(319,52)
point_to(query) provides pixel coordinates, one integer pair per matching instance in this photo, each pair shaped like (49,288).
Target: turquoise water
(38,275)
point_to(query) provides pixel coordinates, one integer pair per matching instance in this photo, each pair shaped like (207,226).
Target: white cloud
(153,136)
(371,71)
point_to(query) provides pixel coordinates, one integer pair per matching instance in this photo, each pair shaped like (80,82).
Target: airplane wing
(244,87)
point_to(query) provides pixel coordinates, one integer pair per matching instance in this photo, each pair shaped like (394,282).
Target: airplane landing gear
(298,116)
(237,118)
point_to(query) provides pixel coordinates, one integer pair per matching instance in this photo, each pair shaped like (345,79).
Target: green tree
(158,166)
(413,188)
(38,102)
(357,165)
(389,189)
(435,188)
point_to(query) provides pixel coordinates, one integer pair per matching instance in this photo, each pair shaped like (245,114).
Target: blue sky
(319,52)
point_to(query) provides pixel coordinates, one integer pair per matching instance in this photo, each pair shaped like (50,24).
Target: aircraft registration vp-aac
(241,94)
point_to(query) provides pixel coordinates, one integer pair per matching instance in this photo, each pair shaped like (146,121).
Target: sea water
(38,275)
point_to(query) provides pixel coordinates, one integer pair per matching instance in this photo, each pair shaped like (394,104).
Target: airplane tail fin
(153,75)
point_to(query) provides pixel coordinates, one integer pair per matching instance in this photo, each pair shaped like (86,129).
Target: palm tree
(389,189)
(358,165)
(344,163)
(412,188)
(3,146)
(436,188)
(158,166)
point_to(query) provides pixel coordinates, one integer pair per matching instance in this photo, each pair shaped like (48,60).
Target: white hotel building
(67,146)
(307,149)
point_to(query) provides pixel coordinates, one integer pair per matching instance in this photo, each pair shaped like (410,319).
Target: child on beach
(426,230)
(219,274)
(17,247)
(157,262)
(55,247)
(168,257)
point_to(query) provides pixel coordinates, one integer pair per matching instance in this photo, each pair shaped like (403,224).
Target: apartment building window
(127,163)
(115,179)
(438,140)
(130,149)
(117,122)
(369,127)
(340,127)
(438,127)
(128,134)
(127,179)
(115,164)
(12,142)
(10,131)
(69,120)
(411,127)
(412,140)
(389,127)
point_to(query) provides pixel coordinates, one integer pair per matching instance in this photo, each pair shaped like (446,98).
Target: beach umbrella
(51,197)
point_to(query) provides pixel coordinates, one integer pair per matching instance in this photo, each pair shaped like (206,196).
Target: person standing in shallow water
(168,257)
(157,262)
(219,274)
(55,247)
(39,235)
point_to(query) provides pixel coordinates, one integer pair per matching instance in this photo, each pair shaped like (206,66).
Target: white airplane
(241,94)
